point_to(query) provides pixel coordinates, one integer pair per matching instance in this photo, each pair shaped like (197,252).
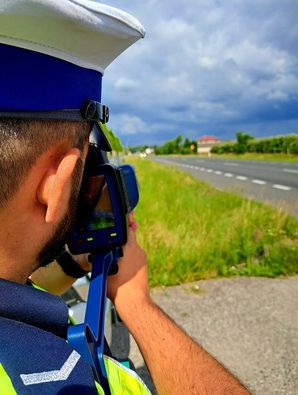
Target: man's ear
(56,185)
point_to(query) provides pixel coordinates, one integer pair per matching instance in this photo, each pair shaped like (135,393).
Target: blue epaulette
(33,348)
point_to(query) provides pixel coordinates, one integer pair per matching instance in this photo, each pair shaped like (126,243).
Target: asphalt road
(273,182)
(248,324)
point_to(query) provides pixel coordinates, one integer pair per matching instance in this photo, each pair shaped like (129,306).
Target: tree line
(244,142)
(247,143)
(178,145)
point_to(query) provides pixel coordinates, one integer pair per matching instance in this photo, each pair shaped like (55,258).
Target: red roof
(205,139)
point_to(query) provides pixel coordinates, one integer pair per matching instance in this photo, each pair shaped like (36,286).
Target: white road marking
(203,168)
(290,171)
(242,178)
(260,182)
(53,375)
(282,187)
(218,172)
(229,175)
(230,164)
(209,171)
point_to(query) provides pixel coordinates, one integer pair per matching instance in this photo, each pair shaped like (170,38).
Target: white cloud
(128,125)
(205,64)
(126,84)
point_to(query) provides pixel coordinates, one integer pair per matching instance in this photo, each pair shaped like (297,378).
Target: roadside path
(249,324)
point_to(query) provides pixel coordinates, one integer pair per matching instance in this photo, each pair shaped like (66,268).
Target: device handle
(88,338)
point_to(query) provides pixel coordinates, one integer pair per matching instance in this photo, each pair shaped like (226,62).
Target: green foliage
(242,142)
(138,148)
(193,231)
(227,148)
(113,139)
(271,145)
(177,146)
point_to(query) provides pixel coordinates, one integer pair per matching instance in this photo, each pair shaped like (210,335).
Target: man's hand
(130,285)
(177,364)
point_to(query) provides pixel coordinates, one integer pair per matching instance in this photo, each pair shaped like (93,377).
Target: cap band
(31,81)
(90,111)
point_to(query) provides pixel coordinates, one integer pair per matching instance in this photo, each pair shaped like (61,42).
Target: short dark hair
(23,141)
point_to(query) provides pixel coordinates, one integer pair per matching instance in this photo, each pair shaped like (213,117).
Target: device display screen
(96,211)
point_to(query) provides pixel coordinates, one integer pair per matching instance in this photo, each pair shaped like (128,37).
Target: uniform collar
(34,307)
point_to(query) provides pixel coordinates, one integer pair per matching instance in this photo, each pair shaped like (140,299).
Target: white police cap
(82,32)
(53,54)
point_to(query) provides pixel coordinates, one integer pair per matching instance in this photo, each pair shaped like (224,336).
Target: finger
(131,236)
(131,221)
(134,226)
(131,217)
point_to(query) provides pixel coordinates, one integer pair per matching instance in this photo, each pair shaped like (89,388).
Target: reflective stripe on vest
(6,386)
(123,380)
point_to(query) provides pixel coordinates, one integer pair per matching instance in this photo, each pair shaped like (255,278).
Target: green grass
(192,231)
(255,156)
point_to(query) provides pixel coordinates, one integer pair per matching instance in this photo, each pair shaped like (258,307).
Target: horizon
(214,135)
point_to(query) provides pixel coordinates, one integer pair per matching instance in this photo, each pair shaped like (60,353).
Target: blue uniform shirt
(33,348)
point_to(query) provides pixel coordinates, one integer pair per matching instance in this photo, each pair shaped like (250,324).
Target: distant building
(149,151)
(205,143)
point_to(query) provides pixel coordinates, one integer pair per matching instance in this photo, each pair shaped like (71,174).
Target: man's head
(49,70)
(41,165)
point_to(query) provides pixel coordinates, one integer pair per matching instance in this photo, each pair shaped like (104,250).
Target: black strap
(70,266)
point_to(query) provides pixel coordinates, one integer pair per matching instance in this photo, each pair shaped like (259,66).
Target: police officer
(52,58)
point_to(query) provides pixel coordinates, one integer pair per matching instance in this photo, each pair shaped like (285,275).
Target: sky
(206,67)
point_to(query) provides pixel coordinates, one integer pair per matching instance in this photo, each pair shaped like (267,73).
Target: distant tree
(194,146)
(186,143)
(242,142)
(178,145)
(293,147)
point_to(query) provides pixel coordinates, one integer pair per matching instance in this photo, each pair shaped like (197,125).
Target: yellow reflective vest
(122,381)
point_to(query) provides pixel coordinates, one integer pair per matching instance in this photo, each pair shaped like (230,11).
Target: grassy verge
(193,231)
(254,156)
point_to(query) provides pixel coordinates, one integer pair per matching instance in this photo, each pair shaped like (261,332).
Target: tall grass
(191,230)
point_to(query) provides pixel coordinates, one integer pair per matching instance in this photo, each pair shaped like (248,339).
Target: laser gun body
(108,194)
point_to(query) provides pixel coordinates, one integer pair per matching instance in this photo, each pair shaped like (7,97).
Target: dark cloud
(206,65)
